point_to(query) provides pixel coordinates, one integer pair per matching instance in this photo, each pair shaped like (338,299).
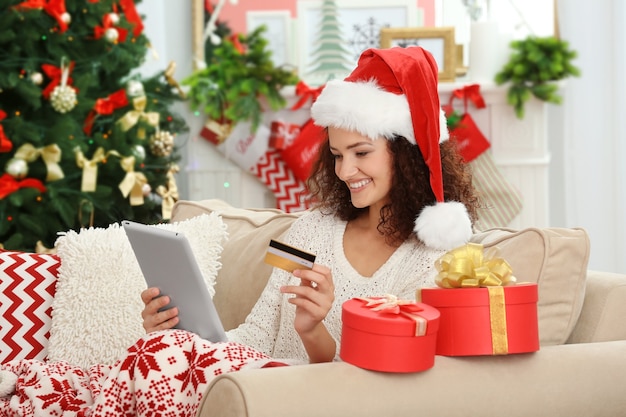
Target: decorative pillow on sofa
(556,259)
(27,286)
(96,312)
(249,233)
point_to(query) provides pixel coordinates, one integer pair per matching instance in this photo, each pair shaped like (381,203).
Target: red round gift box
(385,341)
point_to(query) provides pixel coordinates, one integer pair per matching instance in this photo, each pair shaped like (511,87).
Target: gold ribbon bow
(90,168)
(169,194)
(138,113)
(133,182)
(51,155)
(392,304)
(467,267)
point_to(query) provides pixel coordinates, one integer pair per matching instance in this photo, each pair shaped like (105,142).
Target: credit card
(287,257)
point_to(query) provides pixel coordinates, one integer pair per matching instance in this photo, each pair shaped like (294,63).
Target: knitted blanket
(164,373)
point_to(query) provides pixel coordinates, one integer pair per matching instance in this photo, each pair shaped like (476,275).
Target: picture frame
(197,33)
(358,28)
(440,41)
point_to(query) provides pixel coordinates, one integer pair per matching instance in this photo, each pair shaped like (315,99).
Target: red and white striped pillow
(27,287)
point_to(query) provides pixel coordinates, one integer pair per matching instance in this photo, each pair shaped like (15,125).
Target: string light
(226,184)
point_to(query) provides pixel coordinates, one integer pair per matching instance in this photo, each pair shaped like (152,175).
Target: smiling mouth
(359,184)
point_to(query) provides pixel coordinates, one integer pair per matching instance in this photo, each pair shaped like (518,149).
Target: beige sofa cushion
(556,259)
(244,274)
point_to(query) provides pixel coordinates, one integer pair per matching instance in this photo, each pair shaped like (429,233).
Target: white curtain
(593,143)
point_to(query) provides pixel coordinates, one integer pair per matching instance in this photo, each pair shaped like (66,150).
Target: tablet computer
(167,262)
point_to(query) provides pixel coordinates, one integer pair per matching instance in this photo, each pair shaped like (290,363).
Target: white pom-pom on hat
(444,226)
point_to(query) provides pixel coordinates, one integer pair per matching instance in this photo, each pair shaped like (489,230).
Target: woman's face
(363,164)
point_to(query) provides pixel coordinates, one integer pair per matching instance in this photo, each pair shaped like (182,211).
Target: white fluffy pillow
(96,312)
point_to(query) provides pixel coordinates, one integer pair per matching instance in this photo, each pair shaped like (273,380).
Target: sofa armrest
(565,380)
(604,308)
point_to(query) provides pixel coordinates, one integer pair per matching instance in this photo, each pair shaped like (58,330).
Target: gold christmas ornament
(63,98)
(17,168)
(162,143)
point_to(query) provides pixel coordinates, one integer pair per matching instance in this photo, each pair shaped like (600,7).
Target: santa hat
(394,92)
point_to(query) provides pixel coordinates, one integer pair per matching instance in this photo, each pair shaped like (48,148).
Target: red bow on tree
(9,185)
(132,16)
(106,105)
(5,144)
(55,8)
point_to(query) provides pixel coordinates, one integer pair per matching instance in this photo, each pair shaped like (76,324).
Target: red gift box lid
(522,293)
(357,315)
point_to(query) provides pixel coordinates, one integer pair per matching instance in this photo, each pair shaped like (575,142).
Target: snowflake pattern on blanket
(164,373)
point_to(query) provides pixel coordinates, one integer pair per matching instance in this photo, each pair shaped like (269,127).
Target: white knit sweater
(269,326)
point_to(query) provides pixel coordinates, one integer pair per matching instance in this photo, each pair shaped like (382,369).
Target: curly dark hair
(410,190)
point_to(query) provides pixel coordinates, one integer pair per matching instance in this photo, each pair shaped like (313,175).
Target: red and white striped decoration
(290,192)
(27,287)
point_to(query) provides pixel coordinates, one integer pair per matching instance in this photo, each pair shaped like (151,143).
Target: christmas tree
(84,141)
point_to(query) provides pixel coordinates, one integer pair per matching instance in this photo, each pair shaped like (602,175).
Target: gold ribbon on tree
(469,267)
(169,77)
(50,154)
(133,182)
(168,193)
(138,113)
(90,168)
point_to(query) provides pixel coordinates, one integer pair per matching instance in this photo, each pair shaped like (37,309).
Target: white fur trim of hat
(367,108)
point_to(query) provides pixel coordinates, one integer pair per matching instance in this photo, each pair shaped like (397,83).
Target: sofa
(579,370)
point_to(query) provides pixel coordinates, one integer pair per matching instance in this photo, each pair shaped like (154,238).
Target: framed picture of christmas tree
(332,34)
(439,41)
